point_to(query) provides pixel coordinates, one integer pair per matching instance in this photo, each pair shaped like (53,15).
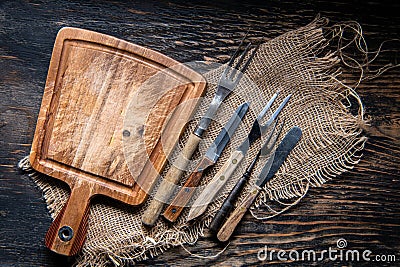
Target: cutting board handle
(67,233)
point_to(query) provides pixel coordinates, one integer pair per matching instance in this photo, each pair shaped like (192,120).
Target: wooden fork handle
(67,233)
(227,206)
(229,226)
(172,177)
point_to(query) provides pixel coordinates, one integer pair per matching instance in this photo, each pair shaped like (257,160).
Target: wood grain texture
(236,216)
(167,186)
(360,205)
(94,129)
(74,214)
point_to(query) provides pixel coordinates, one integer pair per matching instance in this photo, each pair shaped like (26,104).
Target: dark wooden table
(361,206)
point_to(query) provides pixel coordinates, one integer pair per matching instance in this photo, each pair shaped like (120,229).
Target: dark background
(360,205)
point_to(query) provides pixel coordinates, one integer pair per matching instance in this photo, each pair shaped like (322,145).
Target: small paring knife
(223,175)
(210,158)
(270,168)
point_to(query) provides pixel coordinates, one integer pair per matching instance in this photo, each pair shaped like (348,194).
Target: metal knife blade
(227,206)
(220,142)
(281,153)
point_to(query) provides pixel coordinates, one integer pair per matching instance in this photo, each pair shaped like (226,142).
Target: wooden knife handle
(229,226)
(215,185)
(227,206)
(67,233)
(185,194)
(172,177)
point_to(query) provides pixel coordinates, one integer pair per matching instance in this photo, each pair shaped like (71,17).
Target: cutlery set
(230,78)
(97,133)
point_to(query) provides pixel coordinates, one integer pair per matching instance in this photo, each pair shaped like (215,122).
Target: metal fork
(227,83)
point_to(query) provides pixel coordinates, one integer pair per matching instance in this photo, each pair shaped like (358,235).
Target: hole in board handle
(65,233)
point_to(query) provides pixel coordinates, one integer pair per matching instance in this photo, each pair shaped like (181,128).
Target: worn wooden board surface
(98,88)
(360,206)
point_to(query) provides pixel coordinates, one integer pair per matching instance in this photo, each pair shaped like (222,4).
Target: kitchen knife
(227,206)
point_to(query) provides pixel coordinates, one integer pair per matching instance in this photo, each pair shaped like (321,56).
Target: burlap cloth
(300,62)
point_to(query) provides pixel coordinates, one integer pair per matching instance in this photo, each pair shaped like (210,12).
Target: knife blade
(210,158)
(223,175)
(270,168)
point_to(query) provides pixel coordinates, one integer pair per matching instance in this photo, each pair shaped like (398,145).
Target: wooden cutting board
(105,106)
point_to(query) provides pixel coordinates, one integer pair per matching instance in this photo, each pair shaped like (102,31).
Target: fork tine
(278,110)
(237,50)
(245,65)
(275,115)
(271,139)
(234,56)
(265,148)
(244,68)
(267,106)
(241,58)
